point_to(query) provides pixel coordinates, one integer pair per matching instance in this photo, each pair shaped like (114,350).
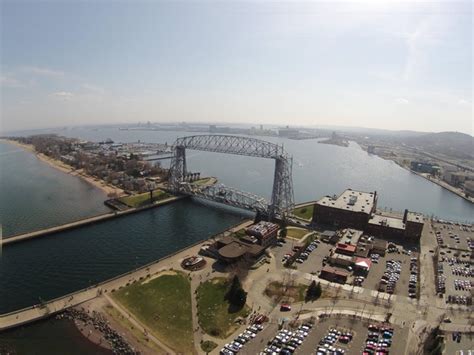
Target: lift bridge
(282,200)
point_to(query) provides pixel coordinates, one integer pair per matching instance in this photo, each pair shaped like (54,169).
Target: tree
(283,232)
(313,292)
(236,294)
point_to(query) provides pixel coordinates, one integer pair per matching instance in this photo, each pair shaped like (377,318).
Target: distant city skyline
(375,64)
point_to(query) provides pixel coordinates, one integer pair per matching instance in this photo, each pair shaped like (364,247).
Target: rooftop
(262,228)
(415,217)
(347,247)
(391,222)
(335,271)
(350,200)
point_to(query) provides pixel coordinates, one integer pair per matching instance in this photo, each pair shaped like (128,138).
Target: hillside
(453,144)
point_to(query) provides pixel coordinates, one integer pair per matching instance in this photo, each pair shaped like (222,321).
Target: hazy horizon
(369,64)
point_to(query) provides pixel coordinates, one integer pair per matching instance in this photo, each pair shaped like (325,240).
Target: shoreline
(109,190)
(438,182)
(434,181)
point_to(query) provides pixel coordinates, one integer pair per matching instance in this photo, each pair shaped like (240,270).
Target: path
(139,325)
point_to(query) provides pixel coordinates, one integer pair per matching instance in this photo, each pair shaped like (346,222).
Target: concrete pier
(84,222)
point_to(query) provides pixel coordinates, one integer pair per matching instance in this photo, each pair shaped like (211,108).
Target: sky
(378,63)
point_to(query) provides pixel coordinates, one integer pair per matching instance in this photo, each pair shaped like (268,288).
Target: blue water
(33,195)
(318,170)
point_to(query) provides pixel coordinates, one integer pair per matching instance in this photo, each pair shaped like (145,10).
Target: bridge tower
(282,200)
(177,168)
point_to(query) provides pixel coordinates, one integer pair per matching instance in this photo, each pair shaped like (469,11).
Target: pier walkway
(36,312)
(83,222)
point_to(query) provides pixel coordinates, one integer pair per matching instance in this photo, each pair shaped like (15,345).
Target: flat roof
(335,271)
(415,217)
(348,247)
(391,222)
(237,249)
(350,200)
(341,256)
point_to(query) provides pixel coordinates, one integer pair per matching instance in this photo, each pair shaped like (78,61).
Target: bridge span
(282,199)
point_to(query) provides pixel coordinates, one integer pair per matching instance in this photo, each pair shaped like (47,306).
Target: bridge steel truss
(282,200)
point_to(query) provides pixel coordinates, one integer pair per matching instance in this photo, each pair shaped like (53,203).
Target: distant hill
(453,144)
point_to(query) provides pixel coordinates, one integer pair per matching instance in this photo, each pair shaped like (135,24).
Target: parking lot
(359,331)
(454,236)
(376,272)
(455,271)
(460,345)
(313,264)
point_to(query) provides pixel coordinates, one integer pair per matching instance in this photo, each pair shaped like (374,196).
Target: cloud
(93,88)
(41,71)
(427,33)
(402,101)
(10,82)
(463,102)
(63,95)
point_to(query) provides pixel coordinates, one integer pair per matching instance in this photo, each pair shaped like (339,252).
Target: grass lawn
(304,212)
(164,305)
(203,181)
(139,336)
(208,345)
(240,233)
(213,309)
(296,233)
(285,293)
(139,200)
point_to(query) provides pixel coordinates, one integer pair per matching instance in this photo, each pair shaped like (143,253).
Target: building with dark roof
(334,274)
(259,236)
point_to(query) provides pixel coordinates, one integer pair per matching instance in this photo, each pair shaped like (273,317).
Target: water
(318,170)
(33,195)
(52,266)
(52,337)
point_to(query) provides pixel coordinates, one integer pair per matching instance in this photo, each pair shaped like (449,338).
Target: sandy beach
(109,190)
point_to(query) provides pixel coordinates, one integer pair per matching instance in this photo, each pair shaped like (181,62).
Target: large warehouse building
(351,209)
(357,209)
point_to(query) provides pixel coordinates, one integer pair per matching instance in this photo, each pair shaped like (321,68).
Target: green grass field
(296,233)
(164,305)
(304,212)
(203,181)
(139,200)
(213,309)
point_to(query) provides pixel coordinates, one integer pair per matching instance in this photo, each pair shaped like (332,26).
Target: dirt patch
(279,292)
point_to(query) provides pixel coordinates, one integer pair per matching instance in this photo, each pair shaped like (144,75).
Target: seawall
(84,222)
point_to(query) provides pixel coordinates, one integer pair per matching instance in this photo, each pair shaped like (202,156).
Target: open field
(163,304)
(305,212)
(296,233)
(142,199)
(213,310)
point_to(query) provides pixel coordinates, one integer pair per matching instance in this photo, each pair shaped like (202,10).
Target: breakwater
(84,222)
